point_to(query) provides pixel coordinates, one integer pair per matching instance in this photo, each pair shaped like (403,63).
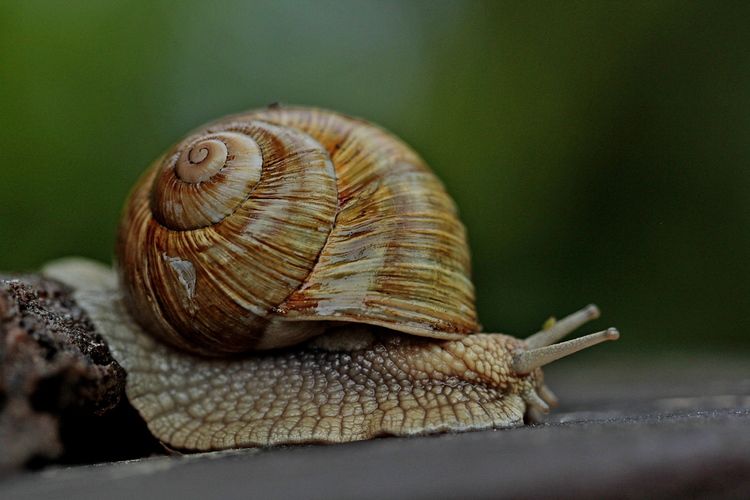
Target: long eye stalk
(543,350)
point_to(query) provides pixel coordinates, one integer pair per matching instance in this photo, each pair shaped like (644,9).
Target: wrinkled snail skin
(356,382)
(294,275)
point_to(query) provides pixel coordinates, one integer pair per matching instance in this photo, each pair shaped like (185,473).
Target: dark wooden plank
(630,428)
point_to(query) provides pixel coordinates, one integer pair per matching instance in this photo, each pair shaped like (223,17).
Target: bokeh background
(598,151)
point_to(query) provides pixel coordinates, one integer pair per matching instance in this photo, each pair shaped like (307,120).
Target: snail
(295,275)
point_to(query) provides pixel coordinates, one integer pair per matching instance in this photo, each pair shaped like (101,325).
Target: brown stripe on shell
(397,256)
(210,290)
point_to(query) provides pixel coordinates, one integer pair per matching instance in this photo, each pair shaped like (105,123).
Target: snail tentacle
(559,329)
(525,362)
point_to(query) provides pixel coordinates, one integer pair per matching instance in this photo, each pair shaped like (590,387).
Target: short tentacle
(547,395)
(535,401)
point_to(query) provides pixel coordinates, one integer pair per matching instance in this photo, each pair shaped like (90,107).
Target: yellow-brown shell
(340,221)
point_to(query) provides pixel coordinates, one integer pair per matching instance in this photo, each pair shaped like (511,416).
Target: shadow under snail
(304,278)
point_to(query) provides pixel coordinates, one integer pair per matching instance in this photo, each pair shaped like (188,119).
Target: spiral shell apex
(258,230)
(206,180)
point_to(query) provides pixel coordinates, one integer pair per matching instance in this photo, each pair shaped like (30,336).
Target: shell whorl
(211,288)
(205,180)
(271,221)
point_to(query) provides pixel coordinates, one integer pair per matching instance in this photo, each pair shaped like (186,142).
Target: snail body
(295,275)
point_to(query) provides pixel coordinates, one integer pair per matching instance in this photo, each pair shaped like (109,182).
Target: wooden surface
(630,428)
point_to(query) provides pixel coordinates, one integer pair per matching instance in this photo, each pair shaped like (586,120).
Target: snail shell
(266,229)
(253,230)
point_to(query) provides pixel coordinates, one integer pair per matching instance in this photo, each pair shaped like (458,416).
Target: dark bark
(58,381)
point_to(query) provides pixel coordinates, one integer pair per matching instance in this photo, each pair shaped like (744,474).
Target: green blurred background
(598,151)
